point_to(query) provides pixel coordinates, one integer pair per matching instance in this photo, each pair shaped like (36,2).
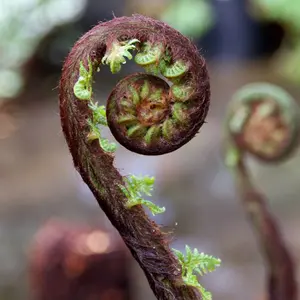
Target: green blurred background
(243,42)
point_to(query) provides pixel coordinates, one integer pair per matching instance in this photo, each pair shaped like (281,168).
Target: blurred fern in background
(23,25)
(191,17)
(287,14)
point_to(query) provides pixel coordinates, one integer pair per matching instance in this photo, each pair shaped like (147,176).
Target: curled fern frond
(146,116)
(264,120)
(147,98)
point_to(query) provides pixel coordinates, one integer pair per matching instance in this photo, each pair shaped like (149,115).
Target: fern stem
(263,121)
(281,283)
(104,43)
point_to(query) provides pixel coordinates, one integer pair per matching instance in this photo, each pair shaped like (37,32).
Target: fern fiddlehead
(263,120)
(147,115)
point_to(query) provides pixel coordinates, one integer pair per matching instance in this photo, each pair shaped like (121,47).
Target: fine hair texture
(148,245)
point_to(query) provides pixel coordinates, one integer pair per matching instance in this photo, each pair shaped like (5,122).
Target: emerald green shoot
(181,92)
(152,69)
(178,113)
(175,70)
(99,113)
(127,106)
(117,54)
(195,262)
(134,94)
(83,91)
(136,131)
(153,58)
(145,90)
(150,54)
(152,133)
(83,87)
(135,187)
(128,120)
(99,118)
(106,145)
(156,95)
(167,129)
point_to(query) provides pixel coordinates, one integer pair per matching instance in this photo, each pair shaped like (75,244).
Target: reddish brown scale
(142,236)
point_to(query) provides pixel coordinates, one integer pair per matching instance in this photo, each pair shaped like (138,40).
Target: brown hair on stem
(178,112)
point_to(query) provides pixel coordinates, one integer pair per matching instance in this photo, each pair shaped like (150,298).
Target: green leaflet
(153,133)
(135,187)
(194,262)
(116,55)
(98,119)
(150,54)
(175,70)
(181,92)
(83,87)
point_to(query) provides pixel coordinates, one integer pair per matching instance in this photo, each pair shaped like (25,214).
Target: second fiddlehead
(263,120)
(146,114)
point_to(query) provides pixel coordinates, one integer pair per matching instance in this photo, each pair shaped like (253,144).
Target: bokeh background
(243,41)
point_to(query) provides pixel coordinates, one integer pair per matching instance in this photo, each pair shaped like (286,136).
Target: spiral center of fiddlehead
(141,111)
(264,120)
(266,132)
(144,102)
(154,106)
